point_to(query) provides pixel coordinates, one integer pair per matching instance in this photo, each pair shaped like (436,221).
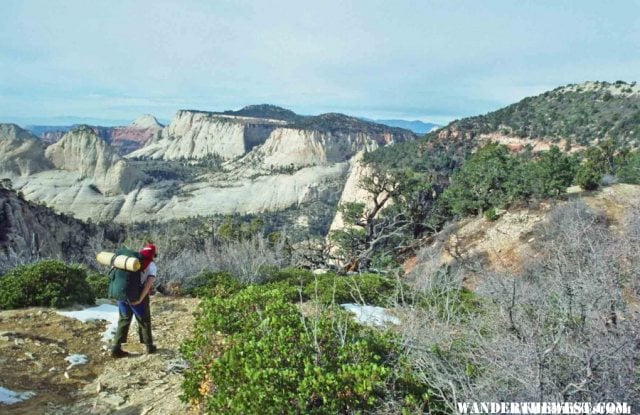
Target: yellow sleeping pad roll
(124,262)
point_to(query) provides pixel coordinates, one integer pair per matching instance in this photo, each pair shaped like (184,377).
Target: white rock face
(81,151)
(68,192)
(265,193)
(352,191)
(21,154)
(197,135)
(269,166)
(289,146)
(146,121)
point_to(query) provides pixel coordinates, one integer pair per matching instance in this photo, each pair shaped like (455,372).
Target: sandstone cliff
(298,147)
(21,154)
(198,135)
(352,192)
(288,140)
(81,151)
(260,158)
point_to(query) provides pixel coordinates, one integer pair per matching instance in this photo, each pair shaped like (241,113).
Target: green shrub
(491,177)
(368,288)
(588,176)
(629,171)
(494,178)
(99,284)
(210,283)
(294,277)
(553,172)
(46,283)
(491,214)
(277,361)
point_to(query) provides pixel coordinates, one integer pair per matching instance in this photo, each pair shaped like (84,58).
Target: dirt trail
(35,341)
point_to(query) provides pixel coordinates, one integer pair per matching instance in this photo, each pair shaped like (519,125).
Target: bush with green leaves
(588,176)
(491,214)
(495,178)
(213,283)
(274,360)
(553,172)
(629,171)
(485,180)
(45,283)
(461,302)
(371,289)
(99,284)
(295,277)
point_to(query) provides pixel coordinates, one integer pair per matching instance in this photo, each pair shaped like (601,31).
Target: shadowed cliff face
(29,232)
(255,135)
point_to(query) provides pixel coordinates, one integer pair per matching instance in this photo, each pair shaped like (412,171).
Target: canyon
(258,159)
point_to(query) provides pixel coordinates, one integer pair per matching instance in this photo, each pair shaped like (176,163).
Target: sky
(106,62)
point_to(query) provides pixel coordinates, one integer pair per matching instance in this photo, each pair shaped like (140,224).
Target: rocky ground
(34,343)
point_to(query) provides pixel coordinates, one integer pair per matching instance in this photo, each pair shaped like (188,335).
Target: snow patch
(9,397)
(371,315)
(76,359)
(106,312)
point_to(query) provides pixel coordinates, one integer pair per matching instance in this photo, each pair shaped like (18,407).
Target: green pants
(142,313)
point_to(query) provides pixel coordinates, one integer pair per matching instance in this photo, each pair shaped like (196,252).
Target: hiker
(138,307)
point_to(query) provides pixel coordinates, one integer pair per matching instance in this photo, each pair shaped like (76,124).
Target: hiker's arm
(145,290)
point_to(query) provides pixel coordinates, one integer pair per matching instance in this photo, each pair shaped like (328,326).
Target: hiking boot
(151,348)
(118,352)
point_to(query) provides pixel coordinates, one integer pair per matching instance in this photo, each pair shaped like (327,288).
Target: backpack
(125,285)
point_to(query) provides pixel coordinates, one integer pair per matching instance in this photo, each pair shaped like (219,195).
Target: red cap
(148,251)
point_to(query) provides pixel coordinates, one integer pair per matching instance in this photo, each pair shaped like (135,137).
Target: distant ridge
(331,121)
(266,111)
(416,126)
(124,138)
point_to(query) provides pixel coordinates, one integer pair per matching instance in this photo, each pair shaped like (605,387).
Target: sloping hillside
(509,243)
(583,114)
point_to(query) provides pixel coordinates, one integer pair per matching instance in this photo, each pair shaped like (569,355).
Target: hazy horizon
(432,61)
(68,120)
